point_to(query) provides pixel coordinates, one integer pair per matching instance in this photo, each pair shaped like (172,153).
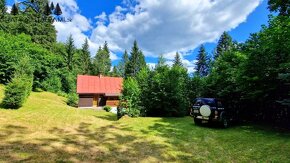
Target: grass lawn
(46,130)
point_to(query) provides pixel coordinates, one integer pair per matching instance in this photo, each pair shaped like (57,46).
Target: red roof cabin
(95,91)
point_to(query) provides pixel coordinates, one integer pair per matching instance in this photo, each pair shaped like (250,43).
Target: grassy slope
(46,130)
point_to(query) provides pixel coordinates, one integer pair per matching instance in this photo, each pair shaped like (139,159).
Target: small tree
(14,10)
(131,96)
(57,10)
(18,90)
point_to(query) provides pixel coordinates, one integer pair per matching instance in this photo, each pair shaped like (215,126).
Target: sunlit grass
(46,130)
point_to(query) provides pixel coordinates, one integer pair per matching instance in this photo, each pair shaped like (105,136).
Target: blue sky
(159,26)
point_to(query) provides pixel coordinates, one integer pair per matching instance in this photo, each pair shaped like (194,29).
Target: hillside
(46,130)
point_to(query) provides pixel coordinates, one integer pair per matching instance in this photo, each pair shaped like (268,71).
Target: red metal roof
(99,85)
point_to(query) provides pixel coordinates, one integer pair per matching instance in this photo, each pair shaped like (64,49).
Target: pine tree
(102,61)
(52,6)
(14,10)
(57,10)
(202,66)
(122,64)
(47,10)
(225,43)
(70,51)
(177,60)
(136,61)
(85,58)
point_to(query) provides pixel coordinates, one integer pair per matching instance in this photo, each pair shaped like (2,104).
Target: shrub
(52,84)
(131,94)
(20,87)
(108,108)
(16,93)
(72,99)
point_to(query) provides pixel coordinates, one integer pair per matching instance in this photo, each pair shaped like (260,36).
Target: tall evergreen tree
(136,61)
(57,10)
(70,51)
(202,66)
(14,10)
(85,58)
(177,60)
(225,43)
(122,64)
(102,61)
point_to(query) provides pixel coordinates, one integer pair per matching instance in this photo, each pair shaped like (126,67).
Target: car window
(210,102)
(197,103)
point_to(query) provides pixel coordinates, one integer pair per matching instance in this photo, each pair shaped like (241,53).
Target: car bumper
(207,118)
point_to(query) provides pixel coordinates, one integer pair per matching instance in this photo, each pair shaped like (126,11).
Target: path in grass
(46,130)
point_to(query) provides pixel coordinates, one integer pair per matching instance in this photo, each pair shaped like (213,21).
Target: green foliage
(131,96)
(177,60)
(281,6)
(2,7)
(18,90)
(85,58)
(72,99)
(34,24)
(70,52)
(52,83)
(202,65)
(225,43)
(107,108)
(136,61)
(121,67)
(102,62)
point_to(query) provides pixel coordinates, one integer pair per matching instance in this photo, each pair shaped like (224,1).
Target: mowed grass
(46,130)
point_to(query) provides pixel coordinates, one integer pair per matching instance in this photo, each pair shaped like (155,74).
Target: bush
(19,89)
(52,84)
(16,93)
(72,99)
(108,108)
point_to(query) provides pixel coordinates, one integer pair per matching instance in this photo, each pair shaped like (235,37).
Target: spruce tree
(85,58)
(122,64)
(136,61)
(70,51)
(202,62)
(225,43)
(102,61)
(177,60)
(57,10)
(14,10)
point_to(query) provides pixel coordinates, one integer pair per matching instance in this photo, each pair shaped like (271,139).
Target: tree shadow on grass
(85,143)
(111,117)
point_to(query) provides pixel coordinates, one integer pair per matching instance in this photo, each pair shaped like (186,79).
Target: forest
(252,77)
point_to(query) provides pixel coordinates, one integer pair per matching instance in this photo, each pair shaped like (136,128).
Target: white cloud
(9,8)
(166,26)
(79,25)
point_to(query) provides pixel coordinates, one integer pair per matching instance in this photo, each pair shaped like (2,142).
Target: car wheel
(197,121)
